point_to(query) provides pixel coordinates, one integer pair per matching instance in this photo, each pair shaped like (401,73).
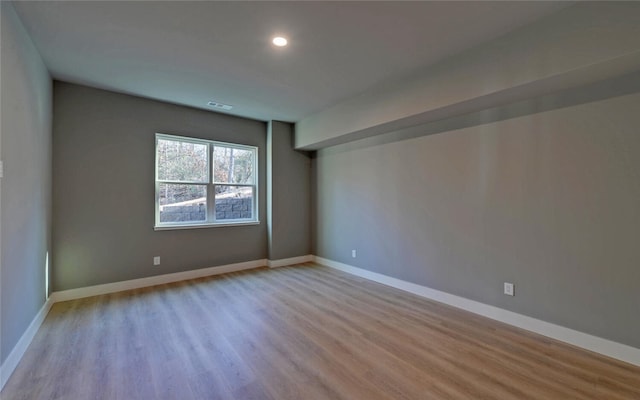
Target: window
(202,183)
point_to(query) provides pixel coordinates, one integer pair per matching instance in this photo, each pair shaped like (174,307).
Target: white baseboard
(589,342)
(11,362)
(289,261)
(106,288)
(96,290)
(593,343)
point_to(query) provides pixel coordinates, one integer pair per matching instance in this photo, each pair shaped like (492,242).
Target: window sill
(199,226)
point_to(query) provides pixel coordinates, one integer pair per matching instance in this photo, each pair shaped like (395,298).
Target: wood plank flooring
(304,332)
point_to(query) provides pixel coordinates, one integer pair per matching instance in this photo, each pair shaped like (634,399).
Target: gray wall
(25,205)
(547,200)
(103,195)
(288,197)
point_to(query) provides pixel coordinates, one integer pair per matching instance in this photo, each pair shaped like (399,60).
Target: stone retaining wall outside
(230,208)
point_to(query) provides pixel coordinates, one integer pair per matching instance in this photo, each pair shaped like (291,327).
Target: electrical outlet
(509,289)
(156,260)
(353,254)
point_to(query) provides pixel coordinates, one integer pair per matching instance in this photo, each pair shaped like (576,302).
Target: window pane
(182,203)
(234,202)
(232,165)
(182,161)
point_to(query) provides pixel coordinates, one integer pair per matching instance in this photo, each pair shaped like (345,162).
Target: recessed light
(279,41)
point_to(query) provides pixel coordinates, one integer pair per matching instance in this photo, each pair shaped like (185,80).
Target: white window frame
(210,185)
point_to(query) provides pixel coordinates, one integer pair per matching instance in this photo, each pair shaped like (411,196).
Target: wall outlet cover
(509,289)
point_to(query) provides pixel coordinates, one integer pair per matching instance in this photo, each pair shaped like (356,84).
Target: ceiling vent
(220,106)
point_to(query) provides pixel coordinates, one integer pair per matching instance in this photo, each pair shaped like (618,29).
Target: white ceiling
(192,52)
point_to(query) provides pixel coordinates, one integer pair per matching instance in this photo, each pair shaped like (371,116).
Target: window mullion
(211,190)
(234,184)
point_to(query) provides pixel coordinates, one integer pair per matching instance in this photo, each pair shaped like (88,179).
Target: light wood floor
(305,332)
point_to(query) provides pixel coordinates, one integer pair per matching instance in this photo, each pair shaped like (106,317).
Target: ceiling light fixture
(219,105)
(279,41)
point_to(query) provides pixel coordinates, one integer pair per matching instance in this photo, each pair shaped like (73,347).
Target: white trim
(210,183)
(89,291)
(290,261)
(11,362)
(593,343)
(589,342)
(240,222)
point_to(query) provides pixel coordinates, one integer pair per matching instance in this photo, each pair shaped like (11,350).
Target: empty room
(320,200)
